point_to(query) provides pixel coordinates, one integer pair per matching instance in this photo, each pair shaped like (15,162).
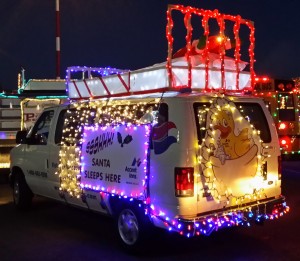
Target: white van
(189,163)
(176,145)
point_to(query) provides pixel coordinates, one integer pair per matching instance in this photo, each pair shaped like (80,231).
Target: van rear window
(255,115)
(250,111)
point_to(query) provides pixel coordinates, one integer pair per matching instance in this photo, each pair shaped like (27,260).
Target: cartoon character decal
(232,145)
(231,157)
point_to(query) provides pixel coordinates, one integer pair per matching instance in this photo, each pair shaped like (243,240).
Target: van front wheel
(22,194)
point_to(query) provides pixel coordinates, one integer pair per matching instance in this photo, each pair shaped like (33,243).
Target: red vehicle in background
(283,99)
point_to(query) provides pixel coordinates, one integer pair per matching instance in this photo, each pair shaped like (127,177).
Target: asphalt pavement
(53,231)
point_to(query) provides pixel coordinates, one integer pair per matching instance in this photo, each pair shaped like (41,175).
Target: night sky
(130,34)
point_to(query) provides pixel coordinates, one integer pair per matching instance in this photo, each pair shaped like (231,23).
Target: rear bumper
(206,223)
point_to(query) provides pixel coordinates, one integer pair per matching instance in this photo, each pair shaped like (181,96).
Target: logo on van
(126,140)
(161,140)
(133,169)
(136,162)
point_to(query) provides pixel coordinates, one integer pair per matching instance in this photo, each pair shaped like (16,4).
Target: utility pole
(57,39)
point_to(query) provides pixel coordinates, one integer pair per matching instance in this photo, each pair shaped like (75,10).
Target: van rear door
(233,139)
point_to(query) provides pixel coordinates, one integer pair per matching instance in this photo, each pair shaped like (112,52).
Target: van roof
(167,96)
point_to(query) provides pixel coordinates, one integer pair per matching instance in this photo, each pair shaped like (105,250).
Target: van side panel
(180,154)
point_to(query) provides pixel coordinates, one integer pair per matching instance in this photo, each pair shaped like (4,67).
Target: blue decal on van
(161,140)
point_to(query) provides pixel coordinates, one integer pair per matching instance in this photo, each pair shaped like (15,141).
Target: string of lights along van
(221,19)
(93,114)
(206,225)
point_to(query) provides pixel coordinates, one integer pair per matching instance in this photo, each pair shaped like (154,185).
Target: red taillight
(184,182)
(285,142)
(279,167)
(282,126)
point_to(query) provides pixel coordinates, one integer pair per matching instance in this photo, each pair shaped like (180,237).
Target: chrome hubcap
(128,227)
(16,192)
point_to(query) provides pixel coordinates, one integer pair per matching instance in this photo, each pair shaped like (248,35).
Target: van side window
(162,114)
(127,113)
(40,131)
(149,114)
(155,113)
(73,121)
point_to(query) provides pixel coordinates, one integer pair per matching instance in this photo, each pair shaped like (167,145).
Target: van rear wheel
(133,227)
(129,227)
(22,194)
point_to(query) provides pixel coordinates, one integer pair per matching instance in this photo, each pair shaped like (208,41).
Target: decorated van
(176,145)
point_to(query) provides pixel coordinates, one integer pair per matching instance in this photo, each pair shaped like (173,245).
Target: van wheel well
(22,194)
(131,223)
(15,171)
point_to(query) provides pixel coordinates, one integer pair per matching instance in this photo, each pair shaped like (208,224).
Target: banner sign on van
(114,159)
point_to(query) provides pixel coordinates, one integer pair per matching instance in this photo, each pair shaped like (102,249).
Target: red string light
(189,28)
(221,19)
(237,50)
(205,52)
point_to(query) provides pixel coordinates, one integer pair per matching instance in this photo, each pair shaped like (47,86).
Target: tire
(22,194)
(133,229)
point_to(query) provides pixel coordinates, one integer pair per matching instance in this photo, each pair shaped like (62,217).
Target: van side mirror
(21,137)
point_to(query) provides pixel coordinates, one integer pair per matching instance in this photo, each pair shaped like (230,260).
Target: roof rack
(200,69)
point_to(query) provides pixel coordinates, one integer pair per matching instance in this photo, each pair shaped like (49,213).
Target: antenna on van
(161,97)
(107,101)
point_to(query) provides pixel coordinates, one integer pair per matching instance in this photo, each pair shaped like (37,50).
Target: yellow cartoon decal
(231,152)
(234,145)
